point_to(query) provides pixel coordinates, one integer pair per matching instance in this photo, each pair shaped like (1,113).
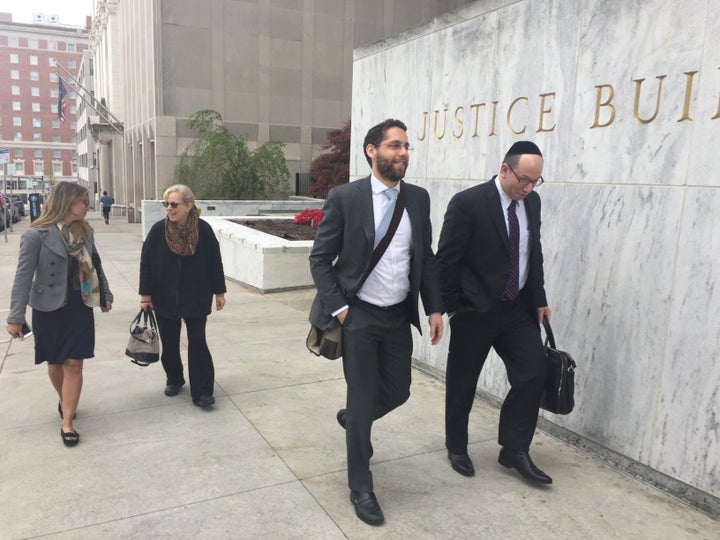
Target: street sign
(4,155)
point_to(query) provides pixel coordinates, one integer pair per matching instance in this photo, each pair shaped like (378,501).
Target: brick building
(39,143)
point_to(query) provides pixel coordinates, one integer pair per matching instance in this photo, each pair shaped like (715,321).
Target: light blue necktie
(382,229)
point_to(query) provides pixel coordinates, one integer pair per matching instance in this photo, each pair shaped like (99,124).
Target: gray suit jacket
(344,244)
(41,278)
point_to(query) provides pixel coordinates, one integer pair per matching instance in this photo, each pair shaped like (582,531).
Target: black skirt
(68,332)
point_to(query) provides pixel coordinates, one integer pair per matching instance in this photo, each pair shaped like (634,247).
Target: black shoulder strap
(379,251)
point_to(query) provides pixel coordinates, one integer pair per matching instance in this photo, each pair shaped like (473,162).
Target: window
(17,121)
(18,152)
(35,91)
(56,154)
(71,47)
(32,43)
(54,92)
(38,166)
(53,108)
(36,122)
(56,138)
(73,139)
(52,45)
(56,123)
(72,64)
(19,167)
(37,137)
(53,77)
(36,107)
(74,167)
(14,59)
(14,74)
(52,61)
(37,153)
(12,41)
(73,153)
(73,109)
(16,106)
(73,124)
(17,136)
(15,90)
(33,60)
(57,167)
(34,76)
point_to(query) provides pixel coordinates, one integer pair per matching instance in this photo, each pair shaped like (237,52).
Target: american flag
(62,107)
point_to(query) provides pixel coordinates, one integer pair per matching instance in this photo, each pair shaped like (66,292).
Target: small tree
(219,164)
(333,167)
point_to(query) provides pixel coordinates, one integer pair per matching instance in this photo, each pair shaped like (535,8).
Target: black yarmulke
(523,147)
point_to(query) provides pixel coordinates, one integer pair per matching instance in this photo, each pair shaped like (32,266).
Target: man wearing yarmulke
(491,275)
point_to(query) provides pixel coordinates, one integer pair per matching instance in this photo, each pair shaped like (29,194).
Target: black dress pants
(377,350)
(512,329)
(200,363)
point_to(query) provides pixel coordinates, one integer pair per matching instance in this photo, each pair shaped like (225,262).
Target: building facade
(42,147)
(276,70)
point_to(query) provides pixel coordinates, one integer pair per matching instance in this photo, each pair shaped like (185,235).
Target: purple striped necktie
(512,289)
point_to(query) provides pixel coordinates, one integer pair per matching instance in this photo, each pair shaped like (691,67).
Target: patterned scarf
(73,236)
(183,239)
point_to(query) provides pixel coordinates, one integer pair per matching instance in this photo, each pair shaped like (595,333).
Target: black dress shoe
(462,464)
(367,507)
(172,389)
(341,418)
(521,462)
(204,400)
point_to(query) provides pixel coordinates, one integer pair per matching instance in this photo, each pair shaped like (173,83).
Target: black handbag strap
(148,317)
(549,337)
(379,250)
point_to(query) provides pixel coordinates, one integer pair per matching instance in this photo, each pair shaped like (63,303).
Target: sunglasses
(172,205)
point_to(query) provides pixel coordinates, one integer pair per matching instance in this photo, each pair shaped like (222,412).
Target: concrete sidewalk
(268,461)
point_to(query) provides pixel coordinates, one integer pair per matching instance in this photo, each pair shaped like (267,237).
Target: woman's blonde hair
(59,203)
(186,194)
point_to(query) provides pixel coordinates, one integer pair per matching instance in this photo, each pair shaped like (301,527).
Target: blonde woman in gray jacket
(60,276)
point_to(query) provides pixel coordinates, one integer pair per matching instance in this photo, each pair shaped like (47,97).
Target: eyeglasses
(395,146)
(172,205)
(524,181)
(86,202)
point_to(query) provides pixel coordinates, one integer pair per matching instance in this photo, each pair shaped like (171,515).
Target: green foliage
(219,164)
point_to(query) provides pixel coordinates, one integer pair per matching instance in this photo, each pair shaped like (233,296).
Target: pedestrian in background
(60,276)
(106,201)
(376,315)
(180,271)
(491,273)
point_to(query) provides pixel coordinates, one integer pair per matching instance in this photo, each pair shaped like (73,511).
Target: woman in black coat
(180,271)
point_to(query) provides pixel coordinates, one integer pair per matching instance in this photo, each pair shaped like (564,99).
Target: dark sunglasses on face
(172,205)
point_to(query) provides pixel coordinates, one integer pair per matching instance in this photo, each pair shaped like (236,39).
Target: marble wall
(624,100)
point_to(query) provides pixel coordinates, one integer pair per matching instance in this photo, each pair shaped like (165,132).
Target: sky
(70,12)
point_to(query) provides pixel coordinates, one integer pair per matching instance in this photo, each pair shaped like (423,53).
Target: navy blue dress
(67,332)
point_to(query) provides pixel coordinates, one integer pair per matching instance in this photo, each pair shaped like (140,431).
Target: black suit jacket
(474,253)
(343,248)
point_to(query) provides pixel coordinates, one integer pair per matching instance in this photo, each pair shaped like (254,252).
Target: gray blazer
(346,236)
(41,278)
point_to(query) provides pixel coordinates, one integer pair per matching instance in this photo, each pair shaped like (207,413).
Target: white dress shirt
(524,232)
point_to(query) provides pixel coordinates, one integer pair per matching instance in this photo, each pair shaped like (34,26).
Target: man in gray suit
(375,314)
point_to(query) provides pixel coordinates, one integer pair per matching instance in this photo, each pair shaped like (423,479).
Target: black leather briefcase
(559,396)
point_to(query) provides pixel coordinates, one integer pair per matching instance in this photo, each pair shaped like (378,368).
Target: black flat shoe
(340,416)
(204,400)
(61,413)
(70,438)
(367,507)
(172,389)
(521,462)
(462,464)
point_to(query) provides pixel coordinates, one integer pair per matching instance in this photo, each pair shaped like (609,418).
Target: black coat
(181,287)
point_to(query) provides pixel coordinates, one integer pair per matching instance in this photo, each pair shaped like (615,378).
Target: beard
(389,170)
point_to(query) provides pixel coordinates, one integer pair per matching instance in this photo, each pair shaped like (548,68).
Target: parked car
(19,203)
(13,213)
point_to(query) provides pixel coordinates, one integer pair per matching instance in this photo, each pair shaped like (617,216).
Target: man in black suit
(491,274)
(375,314)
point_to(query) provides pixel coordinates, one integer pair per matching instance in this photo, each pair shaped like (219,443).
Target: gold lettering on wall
(476,106)
(543,112)
(494,117)
(424,131)
(435,127)
(607,103)
(510,110)
(688,94)
(636,106)
(459,122)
